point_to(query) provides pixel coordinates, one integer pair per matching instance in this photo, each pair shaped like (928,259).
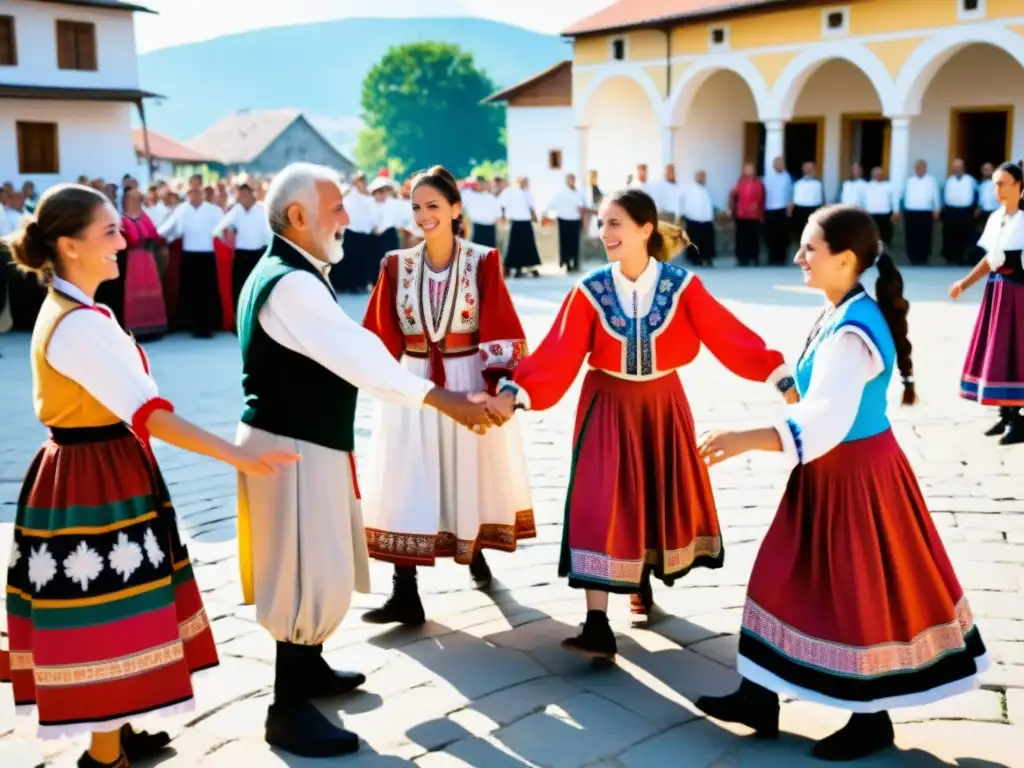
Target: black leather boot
(1000,426)
(751,705)
(88,761)
(596,641)
(480,571)
(142,745)
(863,735)
(641,604)
(294,724)
(404,605)
(1015,430)
(319,680)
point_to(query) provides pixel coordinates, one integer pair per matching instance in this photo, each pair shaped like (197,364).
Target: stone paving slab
(485,683)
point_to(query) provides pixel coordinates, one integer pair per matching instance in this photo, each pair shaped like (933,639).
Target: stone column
(899,153)
(582,162)
(668,144)
(774,142)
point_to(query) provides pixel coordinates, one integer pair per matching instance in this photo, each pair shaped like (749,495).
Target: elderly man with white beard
(302,547)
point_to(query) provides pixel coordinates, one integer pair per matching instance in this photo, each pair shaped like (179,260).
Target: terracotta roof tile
(512,91)
(636,13)
(164,148)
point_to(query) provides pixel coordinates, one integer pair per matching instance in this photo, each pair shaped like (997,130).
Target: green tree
(423,99)
(370,153)
(491,168)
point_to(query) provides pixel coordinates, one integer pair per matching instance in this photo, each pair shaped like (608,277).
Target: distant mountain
(319,69)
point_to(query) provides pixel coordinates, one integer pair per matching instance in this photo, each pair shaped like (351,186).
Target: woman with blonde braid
(639,500)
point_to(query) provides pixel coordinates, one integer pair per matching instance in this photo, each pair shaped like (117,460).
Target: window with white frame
(718,38)
(618,45)
(970,9)
(835,22)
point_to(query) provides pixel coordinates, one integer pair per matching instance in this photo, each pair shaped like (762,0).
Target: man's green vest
(287,393)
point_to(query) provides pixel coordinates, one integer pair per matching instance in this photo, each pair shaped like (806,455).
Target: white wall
(532,133)
(837,88)
(712,134)
(35,27)
(94,139)
(623,131)
(977,76)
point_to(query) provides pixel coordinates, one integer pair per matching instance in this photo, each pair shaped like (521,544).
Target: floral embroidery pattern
(637,336)
(125,557)
(83,565)
(153,551)
(408,311)
(41,567)
(15,556)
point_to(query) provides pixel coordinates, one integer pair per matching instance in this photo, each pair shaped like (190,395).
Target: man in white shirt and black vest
(987,205)
(959,203)
(568,205)
(698,214)
(922,207)
(302,545)
(808,196)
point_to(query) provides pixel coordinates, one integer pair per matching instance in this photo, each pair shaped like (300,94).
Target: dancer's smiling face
(821,268)
(92,253)
(622,237)
(433,213)
(1007,188)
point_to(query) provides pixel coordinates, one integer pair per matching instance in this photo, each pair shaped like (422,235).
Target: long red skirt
(105,620)
(852,600)
(639,495)
(145,313)
(224,253)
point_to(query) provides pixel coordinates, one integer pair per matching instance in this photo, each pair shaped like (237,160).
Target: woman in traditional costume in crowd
(145,314)
(444,310)
(993,372)
(639,498)
(852,601)
(519,210)
(105,621)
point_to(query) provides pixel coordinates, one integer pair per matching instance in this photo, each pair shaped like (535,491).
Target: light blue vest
(860,312)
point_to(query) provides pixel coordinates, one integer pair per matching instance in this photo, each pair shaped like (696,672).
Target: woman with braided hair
(852,601)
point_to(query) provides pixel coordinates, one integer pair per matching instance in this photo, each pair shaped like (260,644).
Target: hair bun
(29,249)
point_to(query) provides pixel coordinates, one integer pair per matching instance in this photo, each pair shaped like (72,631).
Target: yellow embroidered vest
(59,401)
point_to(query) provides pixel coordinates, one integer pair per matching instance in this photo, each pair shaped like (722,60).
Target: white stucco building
(715,84)
(69,83)
(540,132)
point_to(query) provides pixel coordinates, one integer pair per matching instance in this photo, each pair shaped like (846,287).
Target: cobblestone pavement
(485,683)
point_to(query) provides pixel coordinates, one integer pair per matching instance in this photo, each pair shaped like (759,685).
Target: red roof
(163,148)
(640,13)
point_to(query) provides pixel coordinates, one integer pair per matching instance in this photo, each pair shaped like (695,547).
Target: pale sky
(190,21)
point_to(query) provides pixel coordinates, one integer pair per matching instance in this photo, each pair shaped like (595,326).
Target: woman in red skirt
(852,601)
(105,620)
(994,369)
(145,314)
(639,499)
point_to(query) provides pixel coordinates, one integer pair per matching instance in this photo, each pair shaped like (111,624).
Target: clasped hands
(480,411)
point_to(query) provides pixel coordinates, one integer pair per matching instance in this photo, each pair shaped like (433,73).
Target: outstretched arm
(843,366)
(87,348)
(543,378)
(734,345)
